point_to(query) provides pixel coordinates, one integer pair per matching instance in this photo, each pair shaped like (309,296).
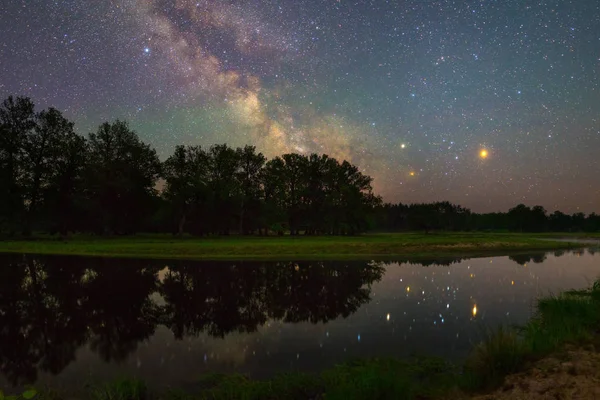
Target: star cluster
(484,103)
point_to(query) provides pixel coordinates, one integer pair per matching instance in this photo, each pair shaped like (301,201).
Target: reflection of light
(512,282)
(387,317)
(359,338)
(472,275)
(412,173)
(408,288)
(475,310)
(403,145)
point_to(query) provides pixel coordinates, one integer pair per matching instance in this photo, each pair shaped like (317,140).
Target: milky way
(413,92)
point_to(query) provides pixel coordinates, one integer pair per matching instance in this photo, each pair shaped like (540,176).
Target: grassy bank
(570,320)
(326,247)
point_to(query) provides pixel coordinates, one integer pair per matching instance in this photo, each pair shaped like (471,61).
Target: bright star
(483,154)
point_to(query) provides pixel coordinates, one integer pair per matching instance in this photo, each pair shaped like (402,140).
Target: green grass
(362,379)
(325,247)
(572,318)
(121,390)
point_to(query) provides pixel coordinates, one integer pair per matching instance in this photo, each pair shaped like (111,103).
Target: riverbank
(555,353)
(388,245)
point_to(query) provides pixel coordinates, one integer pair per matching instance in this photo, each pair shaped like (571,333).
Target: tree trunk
(181,225)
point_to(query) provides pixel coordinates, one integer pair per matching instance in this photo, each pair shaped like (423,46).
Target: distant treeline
(56,181)
(445,216)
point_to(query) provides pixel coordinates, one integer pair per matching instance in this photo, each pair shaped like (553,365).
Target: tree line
(111,182)
(445,216)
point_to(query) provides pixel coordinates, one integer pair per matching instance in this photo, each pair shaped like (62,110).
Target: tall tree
(318,189)
(295,166)
(63,195)
(248,175)
(51,149)
(122,173)
(224,187)
(17,121)
(356,198)
(274,214)
(186,175)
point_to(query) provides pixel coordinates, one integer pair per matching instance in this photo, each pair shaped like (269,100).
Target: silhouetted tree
(17,121)
(54,156)
(186,175)
(120,178)
(224,187)
(248,175)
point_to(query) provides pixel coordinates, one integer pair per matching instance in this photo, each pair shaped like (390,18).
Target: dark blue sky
(411,91)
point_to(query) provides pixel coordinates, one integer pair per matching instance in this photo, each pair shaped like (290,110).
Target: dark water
(68,321)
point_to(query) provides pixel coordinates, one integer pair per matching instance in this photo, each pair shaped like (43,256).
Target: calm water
(67,321)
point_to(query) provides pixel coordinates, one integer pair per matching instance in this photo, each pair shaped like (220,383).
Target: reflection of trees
(51,306)
(427,262)
(119,309)
(319,292)
(216,298)
(41,317)
(522,259)
(222,298)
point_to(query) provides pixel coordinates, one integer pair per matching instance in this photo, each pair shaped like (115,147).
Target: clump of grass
(125,389)
(362,379)
(288,386)
(500,353)
(390,379)
(570,318)
(26,395)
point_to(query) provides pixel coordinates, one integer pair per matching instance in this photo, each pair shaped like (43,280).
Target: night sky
(413,92)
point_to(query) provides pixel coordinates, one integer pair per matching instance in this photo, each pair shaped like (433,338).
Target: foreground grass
(326,247)
(571,318)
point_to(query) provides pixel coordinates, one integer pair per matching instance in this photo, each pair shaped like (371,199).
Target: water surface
(67,321)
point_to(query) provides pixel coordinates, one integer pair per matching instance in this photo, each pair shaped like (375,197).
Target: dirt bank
(572,374)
